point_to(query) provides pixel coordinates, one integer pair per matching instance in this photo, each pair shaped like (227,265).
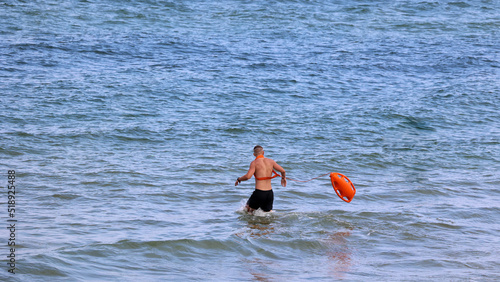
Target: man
(262,168)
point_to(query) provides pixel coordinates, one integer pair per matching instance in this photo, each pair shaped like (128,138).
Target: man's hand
(237,181)
(283,182)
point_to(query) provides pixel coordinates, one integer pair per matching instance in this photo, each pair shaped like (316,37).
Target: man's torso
(263,168)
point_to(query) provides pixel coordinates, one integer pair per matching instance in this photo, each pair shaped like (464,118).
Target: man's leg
(248,209)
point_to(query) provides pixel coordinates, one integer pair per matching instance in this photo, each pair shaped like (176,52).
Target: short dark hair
(257,149)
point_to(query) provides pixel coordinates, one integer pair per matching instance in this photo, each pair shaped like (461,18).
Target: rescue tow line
(342,186)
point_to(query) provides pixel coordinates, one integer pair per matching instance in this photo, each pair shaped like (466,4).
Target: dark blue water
(127,123)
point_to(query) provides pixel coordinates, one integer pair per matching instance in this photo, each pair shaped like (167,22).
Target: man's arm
(247,176)
(277,167)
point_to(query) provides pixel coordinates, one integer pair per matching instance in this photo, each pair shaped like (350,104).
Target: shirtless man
(262,168)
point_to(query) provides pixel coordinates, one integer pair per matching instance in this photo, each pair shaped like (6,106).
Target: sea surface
(128,122)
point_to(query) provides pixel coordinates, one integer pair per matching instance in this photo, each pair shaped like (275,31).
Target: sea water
(126,124)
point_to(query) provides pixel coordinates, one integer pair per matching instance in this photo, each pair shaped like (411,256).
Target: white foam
(262,213)
(259,212)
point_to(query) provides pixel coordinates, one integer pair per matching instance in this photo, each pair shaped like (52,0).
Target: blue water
(127,123)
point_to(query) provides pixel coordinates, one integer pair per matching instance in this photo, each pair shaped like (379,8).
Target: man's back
(263,168)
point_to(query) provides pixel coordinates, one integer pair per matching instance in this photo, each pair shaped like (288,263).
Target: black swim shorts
(261,199)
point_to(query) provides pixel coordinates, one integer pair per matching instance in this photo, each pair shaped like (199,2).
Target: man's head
(258,150)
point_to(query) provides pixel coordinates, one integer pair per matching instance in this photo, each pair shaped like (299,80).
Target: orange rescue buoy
(342,186)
